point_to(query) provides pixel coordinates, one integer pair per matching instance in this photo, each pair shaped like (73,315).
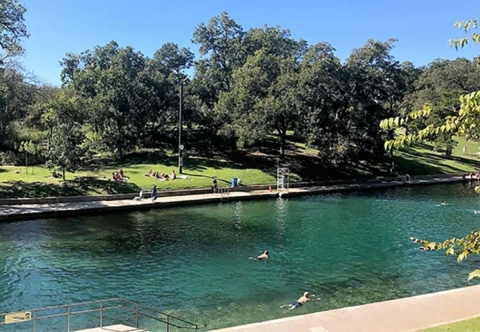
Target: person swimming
(261,257)
(306,297)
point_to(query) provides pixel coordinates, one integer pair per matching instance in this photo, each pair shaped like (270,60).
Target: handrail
(102,306)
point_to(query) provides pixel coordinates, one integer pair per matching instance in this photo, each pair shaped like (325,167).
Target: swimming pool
(192,262)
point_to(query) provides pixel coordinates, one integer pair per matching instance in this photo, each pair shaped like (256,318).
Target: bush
(9,158)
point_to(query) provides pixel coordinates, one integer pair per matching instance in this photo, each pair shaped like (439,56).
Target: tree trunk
(283,144)
(63,173)
(448,151)
(26,163)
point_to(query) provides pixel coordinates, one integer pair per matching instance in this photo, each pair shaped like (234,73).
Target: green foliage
(463,120)
(465,26)
(12,29)
(28,147)
(461,248)
(263,96)
(248,86)
(64,149)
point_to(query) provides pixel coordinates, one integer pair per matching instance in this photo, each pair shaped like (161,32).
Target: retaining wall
(183,192)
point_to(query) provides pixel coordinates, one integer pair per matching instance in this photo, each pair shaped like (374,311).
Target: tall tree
(263,98)
(375,85)
(65,148)
(173,59)
(12,29)
(15,97)
(221,47)
(117,90)
(222,41)
(440,86)
(466,122)
(324,106)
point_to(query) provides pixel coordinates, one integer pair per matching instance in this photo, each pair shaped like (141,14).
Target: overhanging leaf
(474,274)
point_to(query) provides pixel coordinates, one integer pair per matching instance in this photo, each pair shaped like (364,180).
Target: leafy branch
(459,247)
(466,26)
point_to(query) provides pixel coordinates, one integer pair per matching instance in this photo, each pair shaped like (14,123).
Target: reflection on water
(193,262)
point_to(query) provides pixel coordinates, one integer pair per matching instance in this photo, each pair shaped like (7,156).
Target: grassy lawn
(422,160)
(470,325)
(257,166)
(96,181)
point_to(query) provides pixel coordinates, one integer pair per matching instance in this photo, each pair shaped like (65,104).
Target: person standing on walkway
(154,193)
(214,185)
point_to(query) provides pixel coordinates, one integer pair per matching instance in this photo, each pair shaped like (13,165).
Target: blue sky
(423,27)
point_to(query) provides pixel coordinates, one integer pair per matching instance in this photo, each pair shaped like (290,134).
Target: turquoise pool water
(192,262)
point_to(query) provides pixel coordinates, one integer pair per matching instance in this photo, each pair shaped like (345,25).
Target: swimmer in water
(261,257)
(306,297)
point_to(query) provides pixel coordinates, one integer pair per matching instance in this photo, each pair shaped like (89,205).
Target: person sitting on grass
(163,176)
(116,177)
(174,175)
(150,173)
(122,175)
(54,175)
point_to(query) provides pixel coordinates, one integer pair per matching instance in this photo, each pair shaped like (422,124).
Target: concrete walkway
(32,211)
(407,314)
(113,328)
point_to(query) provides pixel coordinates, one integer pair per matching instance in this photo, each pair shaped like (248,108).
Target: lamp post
(180,146)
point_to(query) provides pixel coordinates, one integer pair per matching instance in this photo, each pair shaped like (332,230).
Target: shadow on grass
(431,164)
(78,187)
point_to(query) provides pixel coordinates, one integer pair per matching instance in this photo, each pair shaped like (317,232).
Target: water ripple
(193,262)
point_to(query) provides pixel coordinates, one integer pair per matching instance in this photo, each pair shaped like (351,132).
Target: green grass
(97,181)
(257,166)
(470,325)
(422,160)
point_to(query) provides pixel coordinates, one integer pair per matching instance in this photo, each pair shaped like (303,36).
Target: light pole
(180,146)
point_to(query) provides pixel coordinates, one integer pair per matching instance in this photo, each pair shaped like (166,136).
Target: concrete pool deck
(113,328)
(407,314)
(32,211)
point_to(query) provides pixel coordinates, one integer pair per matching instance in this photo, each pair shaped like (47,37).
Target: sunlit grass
(470,325)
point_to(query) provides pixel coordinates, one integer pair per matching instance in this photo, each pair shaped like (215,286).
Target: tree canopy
(247,89)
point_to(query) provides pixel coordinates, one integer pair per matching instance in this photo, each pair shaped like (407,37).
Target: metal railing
(224,192)
(101,306)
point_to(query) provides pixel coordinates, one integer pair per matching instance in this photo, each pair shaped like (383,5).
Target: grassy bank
(470,325)
(257,166)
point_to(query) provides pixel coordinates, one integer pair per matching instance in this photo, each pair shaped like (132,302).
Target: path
(407,314)
(32,211)
(113,328)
